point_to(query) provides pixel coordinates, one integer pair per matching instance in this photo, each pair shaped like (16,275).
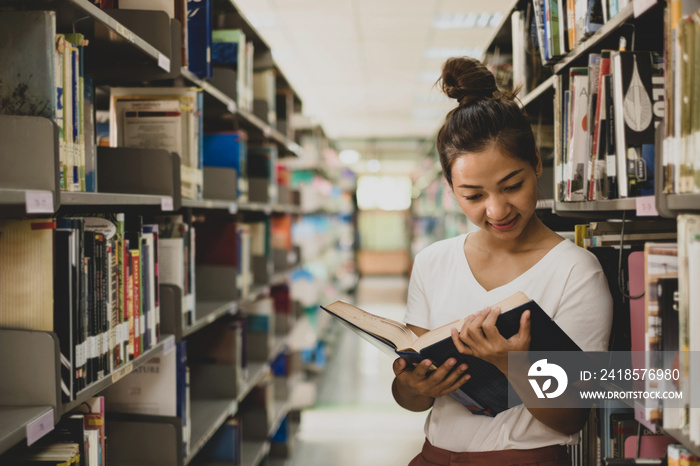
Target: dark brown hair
(485,115)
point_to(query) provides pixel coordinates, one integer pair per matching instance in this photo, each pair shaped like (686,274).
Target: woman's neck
(535,236)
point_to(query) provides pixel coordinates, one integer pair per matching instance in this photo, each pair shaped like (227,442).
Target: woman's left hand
(480,337)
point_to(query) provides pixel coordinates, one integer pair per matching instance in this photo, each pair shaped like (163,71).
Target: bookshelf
(125,50)
(645,27)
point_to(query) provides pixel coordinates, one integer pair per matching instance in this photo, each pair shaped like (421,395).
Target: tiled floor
(355,420)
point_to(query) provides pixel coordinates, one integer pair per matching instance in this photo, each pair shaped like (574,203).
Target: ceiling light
(374,165)
(443,53)
(466,20)
(349,156)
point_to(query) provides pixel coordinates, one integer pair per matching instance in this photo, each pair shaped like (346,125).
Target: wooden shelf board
(207,416)
(683,202)
(252,452)
(14,421)
(113,199)
(213,204)
(539,91)
(613,205)
(608,28)
(166,345)
(207,312)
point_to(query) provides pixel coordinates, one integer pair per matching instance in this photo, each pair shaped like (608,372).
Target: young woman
(488,155)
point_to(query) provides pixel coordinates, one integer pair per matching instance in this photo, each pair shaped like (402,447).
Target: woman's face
(496,192)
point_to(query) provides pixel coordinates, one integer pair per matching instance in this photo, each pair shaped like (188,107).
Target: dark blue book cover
(199,21)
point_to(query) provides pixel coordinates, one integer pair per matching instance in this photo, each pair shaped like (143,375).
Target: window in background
(384,192)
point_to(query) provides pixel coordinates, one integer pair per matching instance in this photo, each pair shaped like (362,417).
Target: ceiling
(365,69)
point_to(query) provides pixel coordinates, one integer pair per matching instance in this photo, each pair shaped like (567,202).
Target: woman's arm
(480,337)
(415,388)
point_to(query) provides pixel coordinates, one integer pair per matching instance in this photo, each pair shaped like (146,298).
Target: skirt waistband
(553,453)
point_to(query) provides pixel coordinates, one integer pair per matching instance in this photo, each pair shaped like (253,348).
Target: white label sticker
(646,206)
(164,62)
(123,372)
(39,427)
(168,346)
(39,202)
(267,209)
(232,208)
(124,32)
(166,203)
(231,106)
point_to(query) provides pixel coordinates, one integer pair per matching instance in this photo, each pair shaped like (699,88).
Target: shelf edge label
(168,346)
(646,206)
(166,203)
(38,202)
(123,372)
(40,427)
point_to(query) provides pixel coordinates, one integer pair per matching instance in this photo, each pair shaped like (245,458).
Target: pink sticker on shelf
(40,427)
(646,206)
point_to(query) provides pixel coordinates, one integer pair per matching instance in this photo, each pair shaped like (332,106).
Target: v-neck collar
(529,271)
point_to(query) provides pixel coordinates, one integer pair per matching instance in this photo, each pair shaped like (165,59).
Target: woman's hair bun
(467,80)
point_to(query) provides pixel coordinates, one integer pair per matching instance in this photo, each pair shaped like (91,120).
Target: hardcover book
(632,91)
(488,390)
(199,22)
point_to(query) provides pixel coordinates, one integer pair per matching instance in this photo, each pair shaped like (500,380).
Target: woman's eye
(473,197)
(515,187)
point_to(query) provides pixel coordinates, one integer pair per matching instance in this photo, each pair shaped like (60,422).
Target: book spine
(58,116)
(138,321)
(129,299)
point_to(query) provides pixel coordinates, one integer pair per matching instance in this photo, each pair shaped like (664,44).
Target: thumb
(524,332)
(399,366)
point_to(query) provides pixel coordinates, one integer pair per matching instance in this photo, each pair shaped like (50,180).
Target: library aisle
(355,420)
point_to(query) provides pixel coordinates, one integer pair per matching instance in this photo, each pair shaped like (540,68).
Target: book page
(391,332)
(445,331)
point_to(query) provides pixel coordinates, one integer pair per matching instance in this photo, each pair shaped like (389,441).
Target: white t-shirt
(568,284)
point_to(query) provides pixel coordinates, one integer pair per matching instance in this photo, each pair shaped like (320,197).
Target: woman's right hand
(420,381)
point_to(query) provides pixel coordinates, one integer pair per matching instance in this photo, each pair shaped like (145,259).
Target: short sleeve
(586,308)
(418,309)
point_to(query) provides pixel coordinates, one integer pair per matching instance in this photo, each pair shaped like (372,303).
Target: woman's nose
(498,208)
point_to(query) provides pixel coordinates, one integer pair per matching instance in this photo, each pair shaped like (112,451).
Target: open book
(487,391)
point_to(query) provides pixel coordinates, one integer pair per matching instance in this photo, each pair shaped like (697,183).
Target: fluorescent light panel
(443,53)
(466,20)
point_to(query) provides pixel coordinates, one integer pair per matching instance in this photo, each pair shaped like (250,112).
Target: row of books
(91,280)
(95,281)
(169,118)
(629,233)
(44,76)
(261,176)
(657,309)
(562,24)
(606,131)
(681,162)
(57,87)
(205,49)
